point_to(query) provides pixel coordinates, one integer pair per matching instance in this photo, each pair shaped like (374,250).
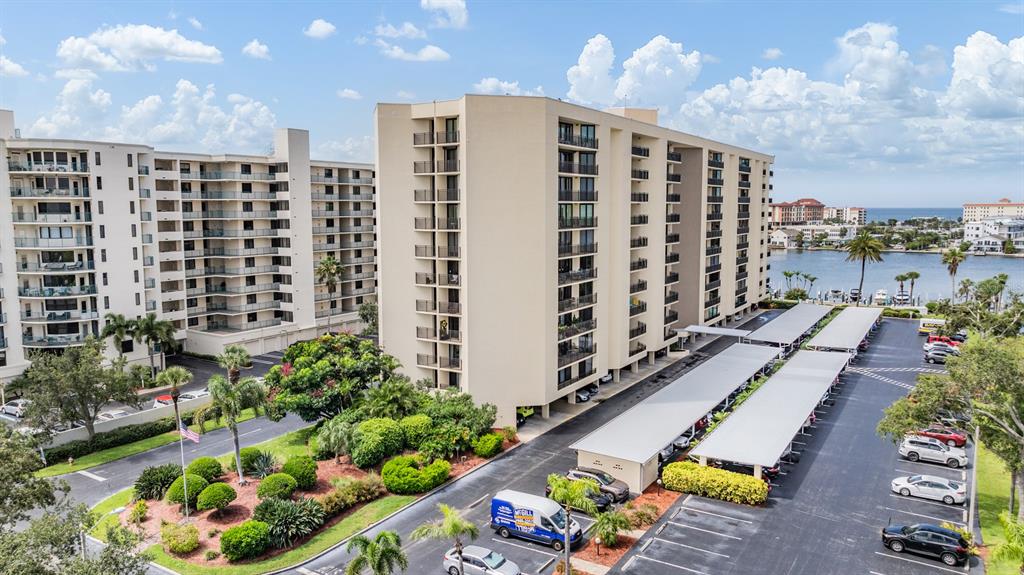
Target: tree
(1009,248)
(797,294)
(810,281)
(864,248)
(451,526)
(901,278)
(22,491)
(381,555)
(912,276)
(799,239)
(608,526)
(328,271)
(394,398)
(979,316)
(174,376)
(337,437)
(789,275)
(368,315)
(952,260)
(1012,549)
(74,385)
(572,495)
(154,333)
(233,359)
(118,328)
(966,286)
(227,401)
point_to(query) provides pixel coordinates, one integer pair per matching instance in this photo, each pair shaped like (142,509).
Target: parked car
(522,414)
(767,473)
(933,338)
(16,407)
(479,560)
(940,346)
(936,356)
(931,540)
(517,514)
(615,488)
(194,394)
(607,378)
(592,389)
(582,396)
(111,415)
(931,487)
(162,400)
(863,345)
(950,437)
(916,448)
(601,500)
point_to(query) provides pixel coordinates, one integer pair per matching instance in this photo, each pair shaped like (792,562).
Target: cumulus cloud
(9,68)
(1016,8)
(492,85)
(195,22)
(771,54)
(406,30)
(988,78)
(319,29)
(353,149)
(590,80)
(447,13)
(405,95)
(254,49)
(349,94)
(133,47)
(428,53)
(79,107)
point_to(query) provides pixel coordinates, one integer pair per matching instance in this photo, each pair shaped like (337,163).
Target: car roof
(937,478)
(935,529)
(475,550)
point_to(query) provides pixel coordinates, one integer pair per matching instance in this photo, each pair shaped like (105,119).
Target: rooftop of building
(1000,202)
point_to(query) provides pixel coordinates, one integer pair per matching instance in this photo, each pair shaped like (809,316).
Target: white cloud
(428,53)
(988,78)
(353,149)
(361,40)
(2,40)
(69,73)
(349,94)
(657,72)
(133,47)
(319,29)
(254,49)
(405,95)
(1016,8)
(710,59)
(447,13)
(10,68)
(590,80)
(78,109)
(771,54)
(406,30)
(195,22)
(492,85)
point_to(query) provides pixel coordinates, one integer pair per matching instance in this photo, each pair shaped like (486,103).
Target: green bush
(415,429)
(289,520)
(302,468)
(249,455)
(642,515)
(389,431)
(206,467)
(115,438)
(509,433)
(215,496)
(179,539)
(778,304)
(154,481)
(406,475)
(487,445)
(689,477)
(349,492)
(139,511)
(447,440)
(276,486)
(245,541)
(210,555)
(176,492)
(369,451)
(901,313)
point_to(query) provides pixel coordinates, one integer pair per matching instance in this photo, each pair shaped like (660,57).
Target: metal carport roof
(789,326)
(648,427)
(761,429)
(712,330)
(847,329)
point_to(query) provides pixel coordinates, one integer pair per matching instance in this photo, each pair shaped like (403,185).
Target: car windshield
(953,485)
(604,478)
(493,560)
(914,479)
(559,519)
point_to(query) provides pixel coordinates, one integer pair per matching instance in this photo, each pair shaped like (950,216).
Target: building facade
(1004,208)
(533,246)
(991,235)
(848,215)
(802,211)
(222,246)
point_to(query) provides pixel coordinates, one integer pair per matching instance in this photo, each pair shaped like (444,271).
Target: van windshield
(559,519)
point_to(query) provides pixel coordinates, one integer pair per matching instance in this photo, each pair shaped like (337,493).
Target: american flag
(188,433)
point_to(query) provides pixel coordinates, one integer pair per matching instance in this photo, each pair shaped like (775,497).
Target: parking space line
(690,547)
(923,515)
(935,467)
(685,526)
(922,563)
(716,514)
(670,564)
(919,500)
(523,547)
(92,476)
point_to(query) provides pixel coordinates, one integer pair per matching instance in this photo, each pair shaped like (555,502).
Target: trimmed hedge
(176,492)
(153,482)
(406,475)
(302,468)
(416,429)
(690,477)
(115,438)
(215,496)
(206,467)
(487,446)
(902,313)
(247,455)
(277,485)
(245,541)
(179,539)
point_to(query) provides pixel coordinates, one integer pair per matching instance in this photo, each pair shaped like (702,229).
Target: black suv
(944,544)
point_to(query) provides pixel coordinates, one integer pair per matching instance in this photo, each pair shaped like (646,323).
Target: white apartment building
(533,245)
(991,235)
(223,246)
(787,236)
(1004,208)
(849,215)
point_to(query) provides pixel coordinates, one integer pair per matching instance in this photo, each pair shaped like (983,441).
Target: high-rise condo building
(530,246)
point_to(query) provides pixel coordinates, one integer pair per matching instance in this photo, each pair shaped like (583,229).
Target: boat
(881,297)
(836,296)
(901,298)
(854,295)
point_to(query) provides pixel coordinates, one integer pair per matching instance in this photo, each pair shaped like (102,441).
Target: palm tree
(572,494)
(912,276)
(789,278)
(227,401)
(810,282)
(154,332)
(119,328)
(450,526)
(1012,549)
(381,555)
(174,376)
(865,248)
(953,258)
(1002,279)
(327,271)
(966,285)
(234,358)
(902,278)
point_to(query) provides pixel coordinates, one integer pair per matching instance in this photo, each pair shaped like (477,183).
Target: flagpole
(181,446)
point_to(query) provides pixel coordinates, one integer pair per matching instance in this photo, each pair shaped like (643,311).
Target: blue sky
(872,104)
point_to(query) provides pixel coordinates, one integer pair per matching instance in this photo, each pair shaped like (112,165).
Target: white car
(917,448)
(931,487)
(17,407)
(478,560)
(194,394)
(111,414)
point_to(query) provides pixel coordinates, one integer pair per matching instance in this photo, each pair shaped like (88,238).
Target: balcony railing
(712,234)
(637,308)
(640,174)
(574,303)
(240,290)
(715,199)
(215,233)
(425,167)
(712,268)
(425,360)
(674,178)
(575,354)
(637,286)
(571,250)
(674,157)
(448,195)
(61,267)
(224,326)
(715,163)
(147,261)
(52,242)
(438,279)
(48,166)
(745,168)
(222,271)
(742,275)
(576,328)
(741,289)
(447,166)
(450,362)
(671,316)
(639,220)
(743,184)
(147,238)
(57,291)
(53,316)
(573,168)
(578,378)
(578,141)
(577,276)
(671,238)
(673,218)
(247,177)
(52,340)
(671,278)
(673,198)
(742,260)
(441,335)
(636,349)
(639,197)
(714,216)
(639,242)
(639,330)
(743,200)
(449,307)
(671,297)
(641,151)
(447,137)
(49,193)
(712,285)
(671,258)
(712,301)
(423,195)
(576,223)
(743,230)
(742,245)
(637,264)
(51,218)
(712,250)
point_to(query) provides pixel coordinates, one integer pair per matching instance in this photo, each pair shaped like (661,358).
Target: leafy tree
(233,359)
(74,385)
(174,376)
(952,260)
(799,239)
(394,398)
(572,495)
(328,271)
(154,332)
(451,526)
(368,314)
(966,286)
(22,490)
(864,248)
(228,401)
(451,406)
(986,313)
(381,555)
(118,328)
(1012,549)
(1008,247)
(810,281)
(795,294)
(337,437)
(608,526)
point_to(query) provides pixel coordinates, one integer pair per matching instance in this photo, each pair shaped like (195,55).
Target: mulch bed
(607,556)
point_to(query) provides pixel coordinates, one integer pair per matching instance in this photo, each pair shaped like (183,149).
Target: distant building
(802,211)
(849,215)
(1004,208)
(990,235)
(783,238)
(786,238)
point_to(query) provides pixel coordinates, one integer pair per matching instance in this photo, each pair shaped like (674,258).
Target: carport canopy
(761,429)
(639,433)
(788,327)
(847,329)
(712,330)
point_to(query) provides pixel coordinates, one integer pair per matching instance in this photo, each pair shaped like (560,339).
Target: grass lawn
(993,498)
(119,499)
(122,451)
(283,446)
(369,513)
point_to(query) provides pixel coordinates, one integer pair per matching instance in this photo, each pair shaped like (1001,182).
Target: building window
(103,231)
(104,278)
(103,255)
(131,207)
(99,182)
(138,298)
(100,204)
(127,346)
(131,183)
(106,298)
(136,276)
(129,160)
(135,253)
(134,230)
(97,158)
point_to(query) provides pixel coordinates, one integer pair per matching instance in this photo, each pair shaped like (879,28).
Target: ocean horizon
(902,214)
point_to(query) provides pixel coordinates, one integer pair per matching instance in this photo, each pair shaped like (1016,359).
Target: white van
(518,514)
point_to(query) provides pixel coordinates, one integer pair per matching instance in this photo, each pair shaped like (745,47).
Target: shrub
(642,515)
(213,532)
(509,433)
(964,532)
(406,475)
(608,526)
(289,520)
(302,468)
(179,539)
(215,496)
(115,438)
(689,477)
(349,492)
(453,407)
(902,313)
(369,451)
(206,467)
(245,541)
(176,492)
(415,429)
(488,445)
(446,441)
(389,431)
(258,462)
(276,486)
(139,511)
(154,481)
(211,555)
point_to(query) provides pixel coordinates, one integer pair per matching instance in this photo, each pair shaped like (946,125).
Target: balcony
(423,139)
(710,314)
(714,216)
(49,193)
(743,229)
(576,223)
(712,234)
(742,275)
(742,245)
(715,163)
(674,178)
(147,261)
(425,360)
(575,354)
(52,340)
(329,213)
(674,157)
(423,195)
(673,218)
(716,182)
(712,268)
(637,308)
(439,335)
(639,242)
(240,290)
(712,250)
(745,168)
(638,264)
(572,250)
(150,283)
(55,267)
(641,151)
(638,220)
(578,141)
(672,238)
(741,290)
(52,242)
(637,286)
(671,297)
(222,271)
(742,260)
(673,198)
(671,258)
(223,195)
(224,326)
(447,166)
(708,286)
(577,196)
(671,278)
(743,200)
(340,180)
(217,233)
(575,303)
(565,331)
(82,167)
(426,167)
(351,277)
(55,317)
(639,330)
(423,224)
(715,199)
(448,252)
(577,276)
(640,174)
(359,260)
(578,378)
(449,307)
(243,176)
(21,217)
(671,317)
(447,137)
(712,301)
(450,362)
(636,349)
(61,291)
(743,184)
(430,279)
(573,168)
(639,197)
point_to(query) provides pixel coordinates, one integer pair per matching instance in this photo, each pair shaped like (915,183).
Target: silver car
(16,407)
(931,487)
(916,448)
(478,560)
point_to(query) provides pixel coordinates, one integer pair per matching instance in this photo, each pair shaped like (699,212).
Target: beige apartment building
(223,246)
(531,246)
(1004,208)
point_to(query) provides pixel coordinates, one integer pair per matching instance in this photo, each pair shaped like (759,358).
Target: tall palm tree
(1002,279)
(119,328)
(233,359)
(966,285)
(952,259)
(810,282)
(902,278)
(328,271)
(864,248)
(450,526)
(381,555)
(912,276)
(227,401)
(154,332)
(572,495)
(789,278)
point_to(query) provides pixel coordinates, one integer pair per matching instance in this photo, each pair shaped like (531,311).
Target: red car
(945,435)
(943,339)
